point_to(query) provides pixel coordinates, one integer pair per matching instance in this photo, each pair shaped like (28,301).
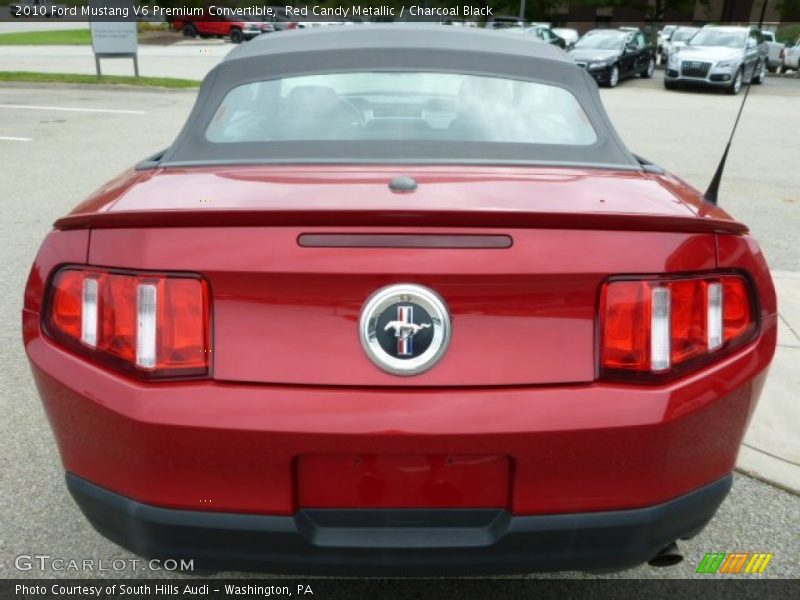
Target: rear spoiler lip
(481,219)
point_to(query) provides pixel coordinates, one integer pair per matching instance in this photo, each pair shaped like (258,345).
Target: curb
(771,448)
(96,86)
(769,469)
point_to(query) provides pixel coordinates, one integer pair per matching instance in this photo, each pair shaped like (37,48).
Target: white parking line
(93,110)
(8,138)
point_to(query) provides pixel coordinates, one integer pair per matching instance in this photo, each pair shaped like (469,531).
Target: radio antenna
(713,188)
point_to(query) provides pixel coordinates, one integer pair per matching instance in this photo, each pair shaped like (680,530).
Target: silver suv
(719,56)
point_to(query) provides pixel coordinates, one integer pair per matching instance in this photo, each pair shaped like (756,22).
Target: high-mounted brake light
(152,325)
(655,327)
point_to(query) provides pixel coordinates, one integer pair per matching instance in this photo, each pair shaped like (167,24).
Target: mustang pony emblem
(405,329)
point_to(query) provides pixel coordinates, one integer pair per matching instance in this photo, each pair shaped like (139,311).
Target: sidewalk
(190,59)
(771,449)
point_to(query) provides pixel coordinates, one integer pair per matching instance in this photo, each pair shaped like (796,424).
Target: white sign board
(114,37)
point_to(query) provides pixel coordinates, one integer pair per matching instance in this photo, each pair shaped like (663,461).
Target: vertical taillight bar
(714,318)
(659,329)
(89,312)
(146,299)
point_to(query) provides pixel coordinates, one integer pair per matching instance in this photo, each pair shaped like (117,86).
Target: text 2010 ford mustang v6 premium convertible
(399,300)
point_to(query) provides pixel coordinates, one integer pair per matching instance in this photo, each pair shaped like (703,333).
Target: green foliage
(788,33)
(66,37)
(31,77)
(145,26)
(653,10)
(788,8)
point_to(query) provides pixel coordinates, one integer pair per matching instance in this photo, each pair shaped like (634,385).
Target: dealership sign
(115,39)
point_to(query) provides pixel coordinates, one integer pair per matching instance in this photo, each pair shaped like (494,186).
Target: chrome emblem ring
(404,328)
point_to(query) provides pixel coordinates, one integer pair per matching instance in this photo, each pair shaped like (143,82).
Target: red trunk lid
(288,313)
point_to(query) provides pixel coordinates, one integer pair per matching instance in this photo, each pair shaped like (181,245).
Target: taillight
(153,325)
(654,328)
(66,300)
(737,314)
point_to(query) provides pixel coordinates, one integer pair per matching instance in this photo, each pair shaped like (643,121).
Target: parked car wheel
(613,78)
(669,85)
(189,30)
(237,37)
(736,84)
(760,75)
(649,70)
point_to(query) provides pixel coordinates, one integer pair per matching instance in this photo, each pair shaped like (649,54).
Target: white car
(791,58)
(722,57)
(663,36)
(775,49)
(677,39)
(568,35)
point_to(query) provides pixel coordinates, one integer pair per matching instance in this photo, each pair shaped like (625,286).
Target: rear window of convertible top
(401,106)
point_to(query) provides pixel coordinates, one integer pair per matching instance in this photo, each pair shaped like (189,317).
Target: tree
(652,11)
(788,8)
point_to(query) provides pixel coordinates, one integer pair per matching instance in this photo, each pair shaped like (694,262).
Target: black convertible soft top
(400,36)
(396,47)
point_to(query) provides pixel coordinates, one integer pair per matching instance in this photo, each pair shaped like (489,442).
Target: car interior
(475,109)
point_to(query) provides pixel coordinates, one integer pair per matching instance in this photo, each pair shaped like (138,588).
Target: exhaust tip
(667,557)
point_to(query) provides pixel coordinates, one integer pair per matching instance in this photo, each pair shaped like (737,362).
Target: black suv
(611,55)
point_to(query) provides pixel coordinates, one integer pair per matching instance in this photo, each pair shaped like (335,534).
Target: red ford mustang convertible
(399,300)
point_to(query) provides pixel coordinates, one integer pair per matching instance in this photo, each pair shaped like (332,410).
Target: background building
(588,14)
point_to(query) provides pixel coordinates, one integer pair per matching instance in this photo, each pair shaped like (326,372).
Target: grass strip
(34,77)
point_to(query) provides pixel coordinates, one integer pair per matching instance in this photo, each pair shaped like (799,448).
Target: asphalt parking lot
(59,144)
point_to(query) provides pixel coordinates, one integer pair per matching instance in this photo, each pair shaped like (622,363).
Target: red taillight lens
(153,325)
(117,317)
(662,327)
(736,312)
(65,307)
(689,310)
(626,309)
(182,341)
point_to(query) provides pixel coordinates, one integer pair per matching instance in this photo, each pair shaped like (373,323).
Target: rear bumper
(236,447)
(396,541)
(600,476)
